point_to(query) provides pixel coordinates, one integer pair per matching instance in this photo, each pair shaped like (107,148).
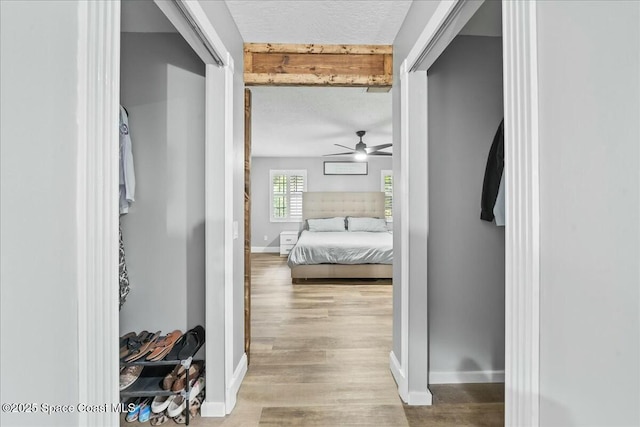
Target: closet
(466,255)
(162,88)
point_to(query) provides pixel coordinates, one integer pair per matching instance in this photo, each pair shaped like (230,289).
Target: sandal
(163,347)
(173,353)
(193,339)
(144,349)
(132,344)
(125,339)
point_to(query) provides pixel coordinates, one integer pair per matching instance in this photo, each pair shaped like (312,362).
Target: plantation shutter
(286,195)
(387,188)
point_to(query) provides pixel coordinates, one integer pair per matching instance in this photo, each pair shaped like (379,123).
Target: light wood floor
(320,357)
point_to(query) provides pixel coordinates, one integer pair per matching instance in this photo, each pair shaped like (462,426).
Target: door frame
(97,204)
(522,233)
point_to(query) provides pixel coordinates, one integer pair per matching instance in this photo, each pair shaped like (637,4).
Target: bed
(333,255)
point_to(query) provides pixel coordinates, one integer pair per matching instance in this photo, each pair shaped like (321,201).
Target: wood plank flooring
(320,357)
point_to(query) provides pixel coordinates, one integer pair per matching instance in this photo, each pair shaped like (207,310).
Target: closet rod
(199,33)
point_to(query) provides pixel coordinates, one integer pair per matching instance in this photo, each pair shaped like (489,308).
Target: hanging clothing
(493,175)
(127,174)
(127,182)
(499,209)
(124,275)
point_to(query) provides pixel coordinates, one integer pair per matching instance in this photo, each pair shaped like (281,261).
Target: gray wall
(162,87)
(589,92)
(316,181)
(38,166)
(465,255)
(419,14)
(225,26)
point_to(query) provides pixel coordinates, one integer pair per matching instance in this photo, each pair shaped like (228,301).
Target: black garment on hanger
(493,175)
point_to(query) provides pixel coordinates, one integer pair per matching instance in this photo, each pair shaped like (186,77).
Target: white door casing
(97,203)
(522,245)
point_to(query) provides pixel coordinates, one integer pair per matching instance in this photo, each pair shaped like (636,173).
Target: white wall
(316,181)
(417,17)
(38,155)
(221,19)
(466,271)
(589,88)
(162,87)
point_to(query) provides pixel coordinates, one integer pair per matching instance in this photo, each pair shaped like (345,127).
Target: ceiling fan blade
(379,153)
(344,146)
(377,147)
(338,154)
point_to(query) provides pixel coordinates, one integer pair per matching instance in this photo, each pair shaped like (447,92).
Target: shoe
(173,353)
(142,351)
(129,375)
(160,403)
(133,414)
(194,408)
(145,411)
(158,419)
(179,403)
(132,343)
(192,341)
(125,339)
(163,346)
(181,381)
(170,378)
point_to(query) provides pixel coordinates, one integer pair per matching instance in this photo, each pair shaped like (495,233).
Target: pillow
(367,224)
(326,224)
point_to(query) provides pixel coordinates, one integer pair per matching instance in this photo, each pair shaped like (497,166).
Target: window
(386,185)
(286,195)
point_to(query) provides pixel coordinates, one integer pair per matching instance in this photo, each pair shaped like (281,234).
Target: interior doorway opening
(307,329)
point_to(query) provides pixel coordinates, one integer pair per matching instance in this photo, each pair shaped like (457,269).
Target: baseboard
(212,409)
(265,249)
(466,377)
(420,398)
(399,377)
(235,383)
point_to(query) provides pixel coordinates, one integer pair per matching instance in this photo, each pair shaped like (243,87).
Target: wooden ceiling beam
(318,65)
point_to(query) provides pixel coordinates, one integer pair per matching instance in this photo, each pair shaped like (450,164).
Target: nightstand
(288,240)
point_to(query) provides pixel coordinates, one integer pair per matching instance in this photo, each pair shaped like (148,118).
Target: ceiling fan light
(361,155)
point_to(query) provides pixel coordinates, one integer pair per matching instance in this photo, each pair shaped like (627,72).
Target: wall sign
(346,168)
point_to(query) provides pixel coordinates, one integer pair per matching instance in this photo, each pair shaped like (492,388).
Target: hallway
(320,357)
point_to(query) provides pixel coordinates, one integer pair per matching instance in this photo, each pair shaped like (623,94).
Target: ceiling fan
(361,150)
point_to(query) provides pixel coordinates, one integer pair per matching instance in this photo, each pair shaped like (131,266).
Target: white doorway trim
(97,204)
(522,247)
(97,208)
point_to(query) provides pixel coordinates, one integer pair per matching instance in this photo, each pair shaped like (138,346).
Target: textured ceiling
(306,122)
(328,22)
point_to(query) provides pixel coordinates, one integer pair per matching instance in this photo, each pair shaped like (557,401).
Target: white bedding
(346,247)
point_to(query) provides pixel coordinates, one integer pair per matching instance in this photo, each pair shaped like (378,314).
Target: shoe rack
(150,380)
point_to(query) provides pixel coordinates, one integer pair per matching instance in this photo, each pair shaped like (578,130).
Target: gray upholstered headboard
(339,203)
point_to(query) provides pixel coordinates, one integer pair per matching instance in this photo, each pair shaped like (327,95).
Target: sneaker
(133,414)
(145,411)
